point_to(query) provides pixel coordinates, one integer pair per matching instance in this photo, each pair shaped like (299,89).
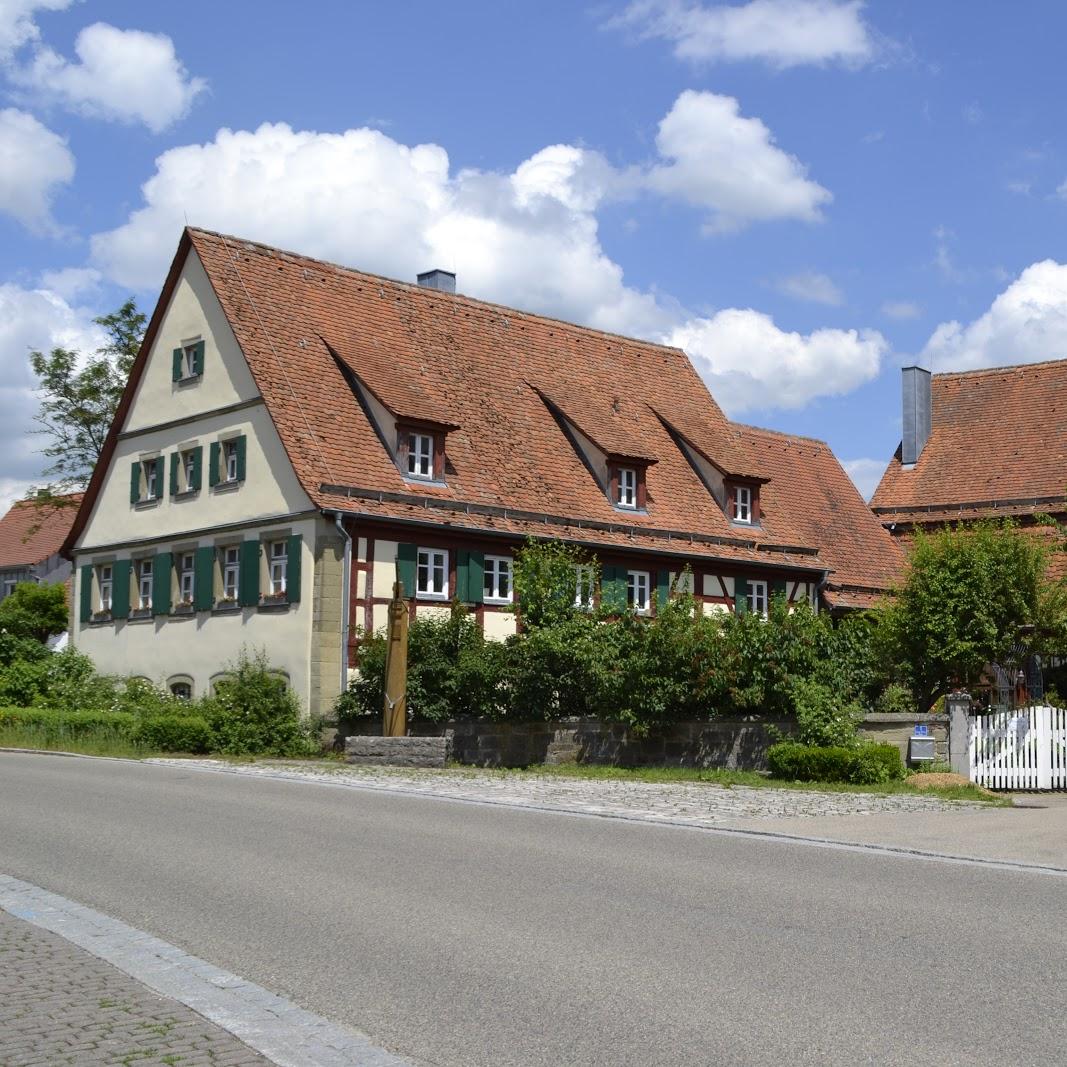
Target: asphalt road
(463,935)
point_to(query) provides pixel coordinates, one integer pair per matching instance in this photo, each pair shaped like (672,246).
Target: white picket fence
(1021,748)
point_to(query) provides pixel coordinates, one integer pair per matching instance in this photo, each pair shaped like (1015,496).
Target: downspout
(346,597)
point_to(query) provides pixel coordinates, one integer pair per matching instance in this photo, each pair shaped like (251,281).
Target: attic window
(743,504)
(627,494)
(626,489)
(420,452)
(420,455)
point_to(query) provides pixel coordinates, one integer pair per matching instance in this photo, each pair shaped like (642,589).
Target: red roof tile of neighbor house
(33,530)
(501,379)
(997,446)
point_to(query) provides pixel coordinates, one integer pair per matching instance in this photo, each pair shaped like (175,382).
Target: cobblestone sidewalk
(695,804)
(60,1005)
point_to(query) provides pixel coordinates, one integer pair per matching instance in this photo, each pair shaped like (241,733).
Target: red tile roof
(487,370)
(998,445)
(32,531)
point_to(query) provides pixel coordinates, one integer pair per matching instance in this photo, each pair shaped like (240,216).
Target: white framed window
(189,361)
(742,503)
(144,584)
(757,598)
(229,460)
(279,567)
(583,587)
(637,591)
(420,455)
(431,579)
(104,585)
(189,469)
(496,586)
(627,496)
(149,468)
(186,577)
(231,571)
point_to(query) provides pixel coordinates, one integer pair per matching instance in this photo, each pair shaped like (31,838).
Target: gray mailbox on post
(921,745)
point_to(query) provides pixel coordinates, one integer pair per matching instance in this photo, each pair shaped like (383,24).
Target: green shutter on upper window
(242,454)
(213,463)
(462,566)
(248,592)
(178,368)
(175,459)
(204,579)
(135,482)
(85,593)
(121,570)
(406,556)
(162,583)
(740,595)
(198,357)
(194,479)
(159,476)
(294,550)
(475,577)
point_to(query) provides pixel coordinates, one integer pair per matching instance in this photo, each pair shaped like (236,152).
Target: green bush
(254,712)
(52,727)
(822,719)
(174,733)
(34,612)
(863,765)
(895,699)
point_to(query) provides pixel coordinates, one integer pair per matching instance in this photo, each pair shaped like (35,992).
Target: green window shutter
(663,589)
(175,458)
(740,595)
(204,580)
(213,463)
(406,556)
(462,576)
(777,588)
(198,357)
(120,588)
(242,454)
(475,577)
(86,592)
(248,583)
(178,365)
(135,482)
(162,579)
(292,569)
(159,477)
(198,459)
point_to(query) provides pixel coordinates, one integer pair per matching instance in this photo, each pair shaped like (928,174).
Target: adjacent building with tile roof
(296,434)
(980,444)
(31,536)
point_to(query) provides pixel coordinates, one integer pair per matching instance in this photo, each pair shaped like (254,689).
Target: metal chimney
(443,281)
(916,396)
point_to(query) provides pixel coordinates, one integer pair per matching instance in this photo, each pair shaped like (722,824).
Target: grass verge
(94,743)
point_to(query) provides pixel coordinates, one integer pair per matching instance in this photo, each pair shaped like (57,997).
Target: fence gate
(1020,748)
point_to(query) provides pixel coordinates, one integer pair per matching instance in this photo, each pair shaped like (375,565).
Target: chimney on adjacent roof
(444,281)
(916,395)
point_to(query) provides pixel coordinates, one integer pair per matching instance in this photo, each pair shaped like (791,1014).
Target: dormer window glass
(420,456)
(627,491)
(742,504)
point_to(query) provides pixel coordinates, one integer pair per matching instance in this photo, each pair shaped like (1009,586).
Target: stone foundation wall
(896,729)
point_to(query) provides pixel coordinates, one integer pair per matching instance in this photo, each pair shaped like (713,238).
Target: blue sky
(804,194)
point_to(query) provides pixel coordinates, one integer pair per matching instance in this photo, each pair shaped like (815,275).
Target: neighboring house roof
(32,531)
(997,446)
(504,382)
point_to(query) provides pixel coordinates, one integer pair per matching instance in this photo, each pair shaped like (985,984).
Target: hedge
(54,726)
(863,765)
(175,733)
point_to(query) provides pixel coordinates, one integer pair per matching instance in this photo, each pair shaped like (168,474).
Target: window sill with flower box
(183,607)
(226,606)
(230,486)
(100,618)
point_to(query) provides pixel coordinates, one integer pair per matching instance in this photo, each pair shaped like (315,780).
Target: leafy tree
(34,612)
(546,581)
(972,596)
(78,405)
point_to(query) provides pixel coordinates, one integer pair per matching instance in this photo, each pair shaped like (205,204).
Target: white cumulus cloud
(527,238)
(865,474)
(126,75)
(813,287)
(17,27)
(34,162)
(901,309)
(32,319)
(1025,324)
(730,166)
(781,33)
(748,362)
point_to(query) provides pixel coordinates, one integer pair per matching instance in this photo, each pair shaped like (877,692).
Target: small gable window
(627,494)
(742,504)
(420,455)
(188,362)
(228,461)
(626,489)
(229,455)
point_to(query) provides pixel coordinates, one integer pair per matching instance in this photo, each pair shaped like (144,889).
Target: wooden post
(395,722)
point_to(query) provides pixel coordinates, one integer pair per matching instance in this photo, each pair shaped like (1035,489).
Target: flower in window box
(226,602)
(101,616)
(274,598)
